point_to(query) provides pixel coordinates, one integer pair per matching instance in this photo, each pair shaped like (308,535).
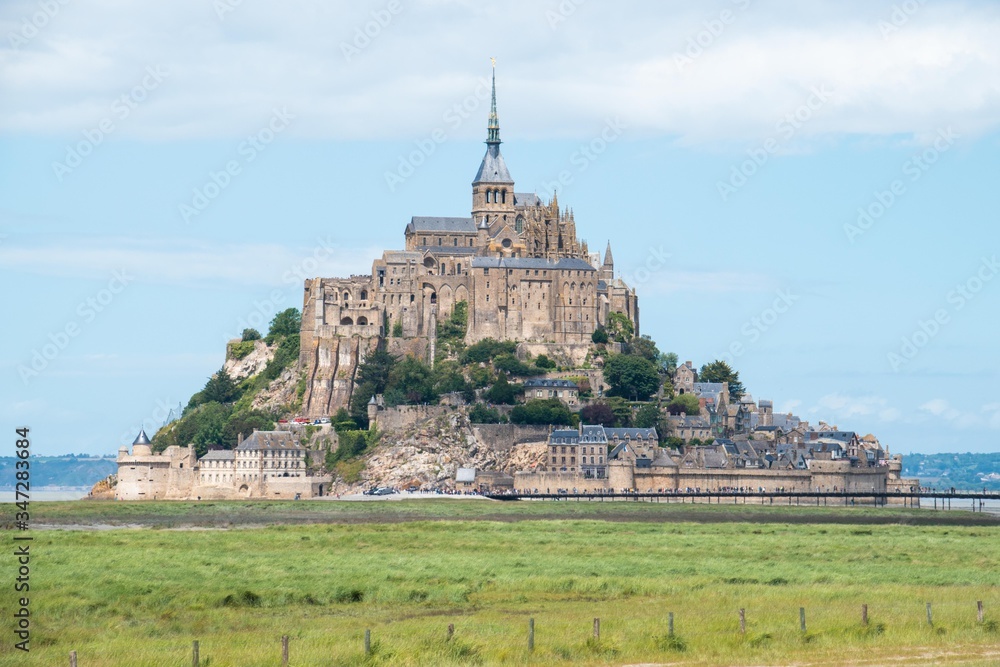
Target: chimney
(239,439)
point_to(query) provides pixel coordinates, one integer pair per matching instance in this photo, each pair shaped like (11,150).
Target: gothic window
(364,295)
(503,196)
(434,298)
(488,194)
(458,269)
(411,298)
(347,296)
(519,225)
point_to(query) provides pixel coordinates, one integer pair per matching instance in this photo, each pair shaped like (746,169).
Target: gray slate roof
(141,439)
(447,250)
(562,436)
(493,168)
(547,383)
(562,264)
(436,224)
(523,199)
(632,433)
(270,440)
(219,455)
(593,433)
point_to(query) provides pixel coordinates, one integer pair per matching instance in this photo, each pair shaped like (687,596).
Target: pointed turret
(493,188)
(608,269)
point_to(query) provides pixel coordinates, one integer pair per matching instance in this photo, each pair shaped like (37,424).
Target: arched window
(347,296)
(362,321)
(347,321)
(489,194)
(503,196)
(434,298)
(364,295)
(519,225)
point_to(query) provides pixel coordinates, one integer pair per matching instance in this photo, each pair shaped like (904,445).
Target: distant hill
(962,471)
(69,470)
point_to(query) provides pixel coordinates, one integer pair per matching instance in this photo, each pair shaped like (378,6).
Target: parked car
(384,491)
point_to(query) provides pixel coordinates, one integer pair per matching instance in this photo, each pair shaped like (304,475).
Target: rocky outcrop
(105,489)
(251,364)
(428,455)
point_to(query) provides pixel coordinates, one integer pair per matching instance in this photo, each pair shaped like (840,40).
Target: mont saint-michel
(493,352)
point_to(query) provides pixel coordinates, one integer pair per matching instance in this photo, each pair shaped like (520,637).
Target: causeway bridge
(974,500)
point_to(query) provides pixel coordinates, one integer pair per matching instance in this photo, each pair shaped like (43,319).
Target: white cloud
(942,67)
(988,415)
(185,261)
(840,406)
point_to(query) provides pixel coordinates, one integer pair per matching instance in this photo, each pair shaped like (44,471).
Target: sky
(806,189)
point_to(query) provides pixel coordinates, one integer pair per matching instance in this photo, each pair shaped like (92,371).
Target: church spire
(493,128)
(609,260)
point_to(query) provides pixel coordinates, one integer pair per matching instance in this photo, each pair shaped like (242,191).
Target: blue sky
(808,189)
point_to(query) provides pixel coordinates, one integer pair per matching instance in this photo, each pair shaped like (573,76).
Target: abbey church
(516,260)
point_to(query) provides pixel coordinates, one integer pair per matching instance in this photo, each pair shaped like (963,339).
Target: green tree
(448,378)
(685,403)
(412,379)
(598,413)
(543,411)
(359,403)
(600,336)
(243,423)
(720,371)
(397,329)
(508,363)
(645,347)
(486,350)
(622,410)
(210,422)
(342,421)
(376,369)
(480,414)
(286,323)
(667,362)
(543,362)
(250,334)
(647,416)
(502,392)
(620,327)
(220,388)
(632,377)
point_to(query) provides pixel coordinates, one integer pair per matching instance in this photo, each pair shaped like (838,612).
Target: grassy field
(324,572)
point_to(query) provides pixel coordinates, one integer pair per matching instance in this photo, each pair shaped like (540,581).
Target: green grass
(138,597)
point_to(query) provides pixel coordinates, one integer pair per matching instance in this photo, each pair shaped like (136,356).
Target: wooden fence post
(194,653)
(284,651)
(864,615)
(743,621)
(930,619)
(531,634)
(670,623)
(597,629)
(451,631)
(979,609)
(72,659)
(802,619)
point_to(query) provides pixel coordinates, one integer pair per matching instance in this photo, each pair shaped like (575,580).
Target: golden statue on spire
(494,61)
